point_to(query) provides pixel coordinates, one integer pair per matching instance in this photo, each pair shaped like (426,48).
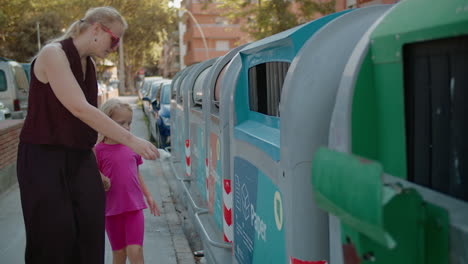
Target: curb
(180,243)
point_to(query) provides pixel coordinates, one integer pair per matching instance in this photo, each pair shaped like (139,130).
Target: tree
(311,8)
(263,18)
(10,14)
(26,33)
(147,19)
(146,33)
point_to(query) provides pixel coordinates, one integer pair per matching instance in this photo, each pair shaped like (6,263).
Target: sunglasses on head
(115,41)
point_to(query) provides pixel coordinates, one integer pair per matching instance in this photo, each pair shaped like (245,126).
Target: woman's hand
(144,148)
(153,206)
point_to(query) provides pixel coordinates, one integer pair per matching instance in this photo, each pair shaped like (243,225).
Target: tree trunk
(129,80)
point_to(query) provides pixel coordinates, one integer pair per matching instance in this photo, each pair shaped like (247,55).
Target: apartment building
(341,5)
(205,33)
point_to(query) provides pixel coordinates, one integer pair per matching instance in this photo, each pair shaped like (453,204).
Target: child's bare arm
(105,180)
(154,209)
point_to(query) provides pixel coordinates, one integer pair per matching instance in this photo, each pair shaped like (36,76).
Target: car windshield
(21,78)
(154,89)
(166,99)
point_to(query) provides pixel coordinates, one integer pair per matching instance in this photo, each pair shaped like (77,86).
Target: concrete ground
(165,241)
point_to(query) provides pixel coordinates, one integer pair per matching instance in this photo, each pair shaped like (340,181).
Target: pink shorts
(125,229)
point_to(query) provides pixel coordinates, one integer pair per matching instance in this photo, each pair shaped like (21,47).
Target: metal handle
(211,241)
(187,191)
(194,204)
(177,177)
(198,211)
(173,158)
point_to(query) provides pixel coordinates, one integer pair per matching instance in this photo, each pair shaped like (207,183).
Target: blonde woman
(61,190)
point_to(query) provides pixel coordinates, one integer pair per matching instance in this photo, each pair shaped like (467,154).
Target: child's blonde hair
(108,108)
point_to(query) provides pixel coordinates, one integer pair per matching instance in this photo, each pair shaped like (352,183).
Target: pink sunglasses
(115,41)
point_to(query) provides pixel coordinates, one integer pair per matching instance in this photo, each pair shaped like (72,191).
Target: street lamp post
(121,68)
(181,12)
(38,36)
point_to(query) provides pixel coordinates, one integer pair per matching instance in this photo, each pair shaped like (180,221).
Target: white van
(14,86)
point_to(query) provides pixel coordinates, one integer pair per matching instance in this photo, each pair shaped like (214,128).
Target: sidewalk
(165,241)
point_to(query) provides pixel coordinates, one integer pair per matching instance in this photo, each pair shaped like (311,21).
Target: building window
(222,45)
(221,21)
(351,3)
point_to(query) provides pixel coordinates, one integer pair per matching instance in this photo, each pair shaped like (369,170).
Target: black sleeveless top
(48,121)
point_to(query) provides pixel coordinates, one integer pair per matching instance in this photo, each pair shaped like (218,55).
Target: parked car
(4,112)
(164,120)
(14,86)
(146,85)
(151,108)
(113,85)
(27,70)
(150,96)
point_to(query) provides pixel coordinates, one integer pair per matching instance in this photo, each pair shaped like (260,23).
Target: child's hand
(154,209)
(106,182)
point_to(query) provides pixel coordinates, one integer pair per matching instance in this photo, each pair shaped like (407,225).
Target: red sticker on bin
(298,261)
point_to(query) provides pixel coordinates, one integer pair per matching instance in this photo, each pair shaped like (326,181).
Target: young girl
(125,188)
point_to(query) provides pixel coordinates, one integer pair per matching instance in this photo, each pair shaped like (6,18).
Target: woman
(61,190)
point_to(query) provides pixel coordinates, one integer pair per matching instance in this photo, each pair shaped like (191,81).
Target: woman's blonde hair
(105,15)
(108,108)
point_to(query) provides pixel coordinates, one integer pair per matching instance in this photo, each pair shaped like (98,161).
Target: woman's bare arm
(53,63)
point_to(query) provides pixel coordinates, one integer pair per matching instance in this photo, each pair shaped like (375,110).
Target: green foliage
(310,8)
(146,32)
(26,33)
(148,22)
(271,17)
(263,18)
(3,19)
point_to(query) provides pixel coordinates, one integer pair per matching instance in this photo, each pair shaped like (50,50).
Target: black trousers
(63,203)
